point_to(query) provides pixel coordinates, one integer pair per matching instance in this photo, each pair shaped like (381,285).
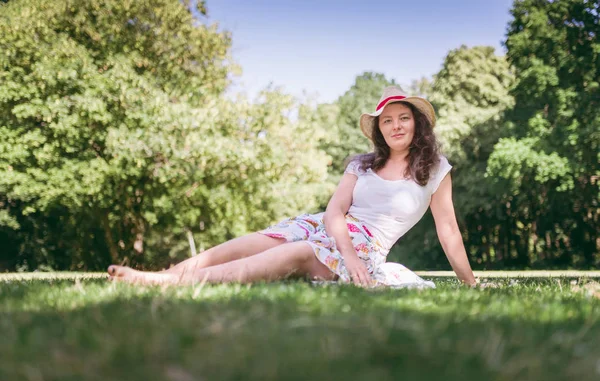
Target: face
(397,125)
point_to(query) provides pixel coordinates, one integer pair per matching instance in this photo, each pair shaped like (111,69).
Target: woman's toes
(126,274)
(117,271)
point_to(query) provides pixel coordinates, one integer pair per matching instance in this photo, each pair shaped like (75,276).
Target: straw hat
(393,94)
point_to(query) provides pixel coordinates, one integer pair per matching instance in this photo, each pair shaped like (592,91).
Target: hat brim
(367,120)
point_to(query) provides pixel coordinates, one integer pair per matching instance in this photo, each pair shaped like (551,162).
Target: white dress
(381,212)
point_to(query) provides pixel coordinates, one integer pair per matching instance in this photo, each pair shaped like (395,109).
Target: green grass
(84,328)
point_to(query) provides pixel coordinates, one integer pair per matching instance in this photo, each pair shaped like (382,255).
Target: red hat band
(386,100)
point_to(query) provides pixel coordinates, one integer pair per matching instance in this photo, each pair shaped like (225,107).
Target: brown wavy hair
(423,153)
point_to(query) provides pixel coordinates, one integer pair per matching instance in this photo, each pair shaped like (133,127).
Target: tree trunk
(112,247)
(138,243)
(190,238)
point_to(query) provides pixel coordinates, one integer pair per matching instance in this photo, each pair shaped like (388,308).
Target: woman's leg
(293,259)
(236,248)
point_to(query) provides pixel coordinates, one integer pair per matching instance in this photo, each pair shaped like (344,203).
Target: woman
(381,195)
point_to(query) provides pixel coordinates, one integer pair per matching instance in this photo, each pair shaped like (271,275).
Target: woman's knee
(300,253)
(320,271)
(310,264)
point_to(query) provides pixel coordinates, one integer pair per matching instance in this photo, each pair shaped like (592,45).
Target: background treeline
(118,144)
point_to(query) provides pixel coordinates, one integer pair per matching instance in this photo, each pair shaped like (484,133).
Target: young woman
(381,196)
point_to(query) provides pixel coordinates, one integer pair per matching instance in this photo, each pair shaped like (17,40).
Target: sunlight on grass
(88,328)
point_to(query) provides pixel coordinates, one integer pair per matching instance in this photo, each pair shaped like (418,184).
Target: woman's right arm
(336,227)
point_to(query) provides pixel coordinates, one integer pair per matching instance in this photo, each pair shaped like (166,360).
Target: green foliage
(117,143)
(550,163)
(470,89)
(421,87)
(114,135)
(518,156)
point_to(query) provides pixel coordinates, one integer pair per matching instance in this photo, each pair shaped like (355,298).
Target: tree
(470,89)
(88,102)
(421,87)
(115,137)
(549,166)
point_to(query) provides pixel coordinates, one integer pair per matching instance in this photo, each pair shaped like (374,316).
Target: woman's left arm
(448,233)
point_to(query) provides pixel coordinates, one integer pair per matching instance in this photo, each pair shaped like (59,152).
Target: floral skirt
(311,229)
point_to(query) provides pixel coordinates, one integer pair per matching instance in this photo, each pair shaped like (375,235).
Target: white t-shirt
(391,207)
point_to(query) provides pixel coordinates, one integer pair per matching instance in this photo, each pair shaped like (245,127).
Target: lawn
(81,327)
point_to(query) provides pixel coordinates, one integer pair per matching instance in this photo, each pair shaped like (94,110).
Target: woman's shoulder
(443,161)
(357,164)
(440,170)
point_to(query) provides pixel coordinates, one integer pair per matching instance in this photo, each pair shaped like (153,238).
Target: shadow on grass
(294,331)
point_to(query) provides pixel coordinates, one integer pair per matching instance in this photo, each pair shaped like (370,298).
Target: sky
(317,48)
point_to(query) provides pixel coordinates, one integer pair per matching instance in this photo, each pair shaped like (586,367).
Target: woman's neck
(398,157)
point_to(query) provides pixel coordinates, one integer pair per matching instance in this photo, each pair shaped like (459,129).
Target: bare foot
(129,275)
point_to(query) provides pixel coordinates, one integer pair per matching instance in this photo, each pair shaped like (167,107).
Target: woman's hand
(474,283)
(478,284)
(357,270)
(487,284)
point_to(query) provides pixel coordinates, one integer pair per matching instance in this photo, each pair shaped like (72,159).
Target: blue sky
(320,46)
